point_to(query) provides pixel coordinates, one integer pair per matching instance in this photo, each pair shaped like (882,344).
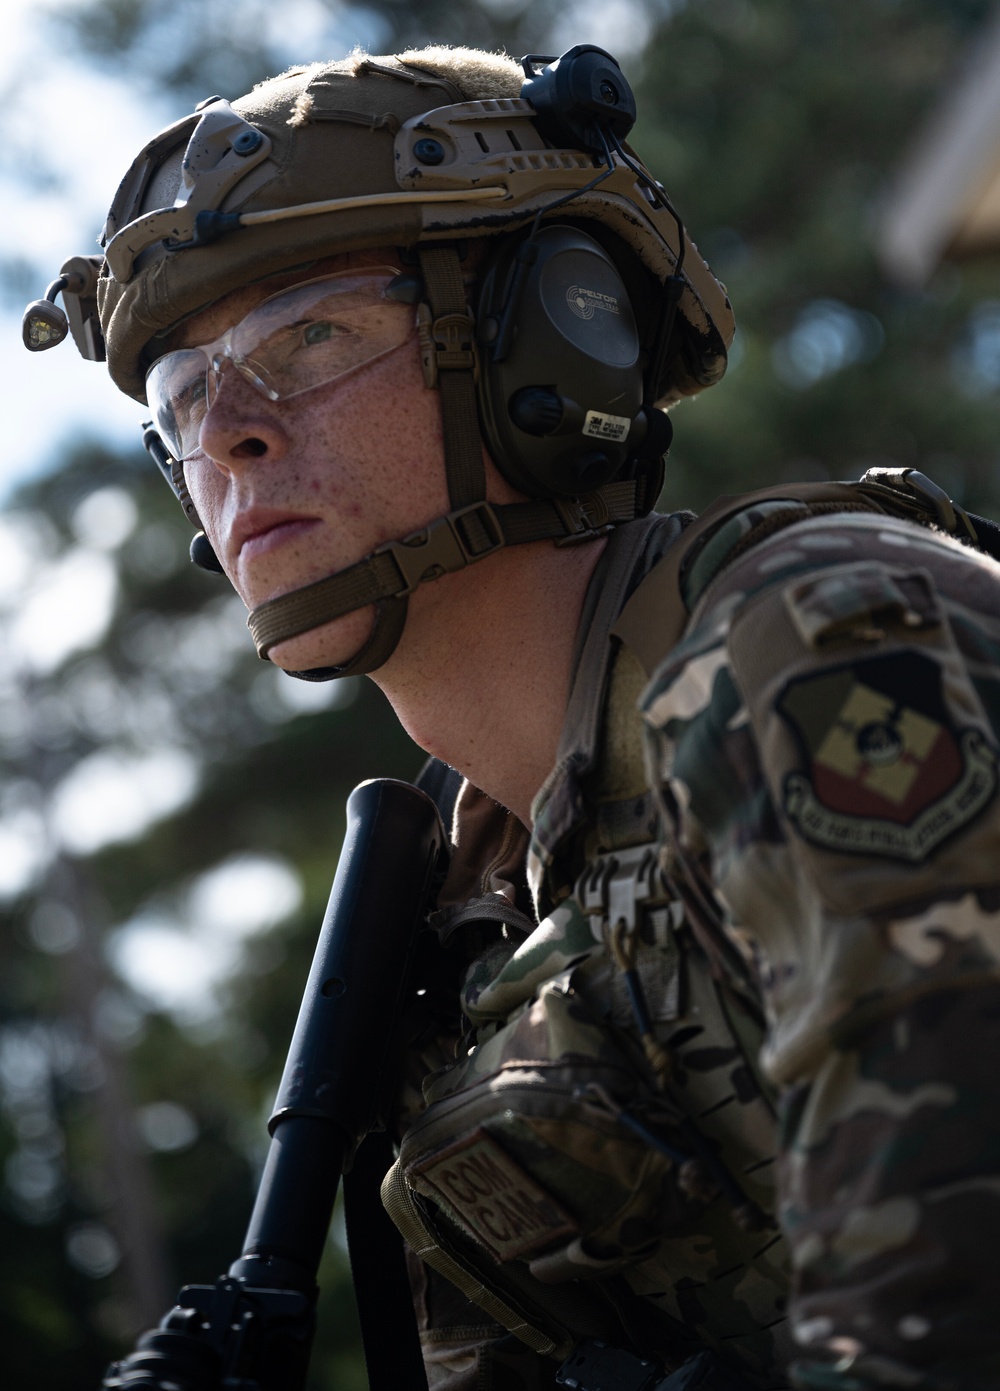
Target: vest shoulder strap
(654,619)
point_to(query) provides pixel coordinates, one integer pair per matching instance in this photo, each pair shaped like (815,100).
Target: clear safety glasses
(295,340)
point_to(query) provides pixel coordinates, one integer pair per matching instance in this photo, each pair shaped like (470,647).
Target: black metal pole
(335,1076)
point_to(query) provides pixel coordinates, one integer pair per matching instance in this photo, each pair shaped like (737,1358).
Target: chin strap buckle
(447,344)
(583,517)
(451,543)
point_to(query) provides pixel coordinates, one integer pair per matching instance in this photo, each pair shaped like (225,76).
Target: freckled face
(291,491)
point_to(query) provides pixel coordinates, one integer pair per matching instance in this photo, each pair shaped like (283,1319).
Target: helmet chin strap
(378,647)
(448,355)
(471,530)
(391,573)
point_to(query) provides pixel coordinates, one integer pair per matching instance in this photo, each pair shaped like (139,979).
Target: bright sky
(87,132)
(177,952)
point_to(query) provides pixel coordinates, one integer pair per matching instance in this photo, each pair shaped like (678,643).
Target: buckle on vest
(450,543)
(617,886)
(949,516)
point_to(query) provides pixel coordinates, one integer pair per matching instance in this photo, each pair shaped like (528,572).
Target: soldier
(725,872)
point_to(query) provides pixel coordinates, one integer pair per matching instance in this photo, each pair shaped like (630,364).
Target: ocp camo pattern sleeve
(824,742)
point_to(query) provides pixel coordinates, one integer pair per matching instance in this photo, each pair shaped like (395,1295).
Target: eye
(322,331)
(187,398)
(196,391)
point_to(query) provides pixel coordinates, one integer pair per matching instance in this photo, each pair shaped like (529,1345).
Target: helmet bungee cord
(592,309)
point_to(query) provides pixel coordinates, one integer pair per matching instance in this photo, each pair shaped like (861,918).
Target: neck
(482,675)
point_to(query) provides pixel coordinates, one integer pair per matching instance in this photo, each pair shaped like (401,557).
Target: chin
(332,645)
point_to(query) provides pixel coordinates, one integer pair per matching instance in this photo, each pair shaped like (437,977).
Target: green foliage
(776,126)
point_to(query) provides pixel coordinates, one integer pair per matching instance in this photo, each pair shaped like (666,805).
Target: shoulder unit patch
(885,770)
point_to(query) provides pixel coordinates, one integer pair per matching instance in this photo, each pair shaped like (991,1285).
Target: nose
(240,424)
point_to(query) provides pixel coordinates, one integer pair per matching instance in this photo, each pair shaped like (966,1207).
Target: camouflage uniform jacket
(816,759)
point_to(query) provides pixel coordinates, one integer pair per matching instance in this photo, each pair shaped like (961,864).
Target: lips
(260,529)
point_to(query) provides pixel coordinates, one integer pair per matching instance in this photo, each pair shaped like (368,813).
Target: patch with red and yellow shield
(885,770)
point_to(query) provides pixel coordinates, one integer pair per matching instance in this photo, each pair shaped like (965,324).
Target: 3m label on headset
(601,426)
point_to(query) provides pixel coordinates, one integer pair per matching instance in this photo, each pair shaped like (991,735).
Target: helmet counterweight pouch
(561,382)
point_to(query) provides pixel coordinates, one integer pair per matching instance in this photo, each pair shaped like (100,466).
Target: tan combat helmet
(425,151)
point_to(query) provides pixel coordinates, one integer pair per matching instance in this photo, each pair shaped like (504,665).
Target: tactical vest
(600,1162)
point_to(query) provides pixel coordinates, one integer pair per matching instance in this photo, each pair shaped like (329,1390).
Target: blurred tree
(163,793)
(195,47)
(775,124)
(777,127)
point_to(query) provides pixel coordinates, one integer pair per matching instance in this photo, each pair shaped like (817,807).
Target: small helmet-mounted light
(45,324)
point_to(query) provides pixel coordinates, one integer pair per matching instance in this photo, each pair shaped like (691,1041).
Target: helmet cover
(435,144)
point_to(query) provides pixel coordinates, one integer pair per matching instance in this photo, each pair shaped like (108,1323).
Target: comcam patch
(886,771)
(493,1198)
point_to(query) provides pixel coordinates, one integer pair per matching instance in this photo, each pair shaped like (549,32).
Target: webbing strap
(390,620)
(449,343)
(555,517)
(365,583)
(654,619)
(584,720)
(449,544)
